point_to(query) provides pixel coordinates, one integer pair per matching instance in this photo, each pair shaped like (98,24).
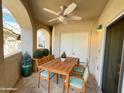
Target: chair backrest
(86,73)
(45,59)
(51,57)
(39,62)
(87,63)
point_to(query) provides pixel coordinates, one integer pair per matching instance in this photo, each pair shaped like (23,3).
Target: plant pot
(26,70)
(62,59)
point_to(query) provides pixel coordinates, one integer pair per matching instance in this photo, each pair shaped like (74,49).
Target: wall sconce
(99,28)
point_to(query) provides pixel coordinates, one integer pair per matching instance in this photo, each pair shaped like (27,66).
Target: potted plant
(38,54)
(63,56)
(26,65)
(45,52)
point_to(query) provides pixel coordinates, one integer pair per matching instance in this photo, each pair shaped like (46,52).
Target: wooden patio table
(59,67)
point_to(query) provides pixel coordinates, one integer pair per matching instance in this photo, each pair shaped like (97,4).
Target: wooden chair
(79,84)
(51,57)
(80,69)
(43,74)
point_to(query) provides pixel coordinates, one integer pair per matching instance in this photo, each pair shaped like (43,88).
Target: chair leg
(39,81)
(57,78)
(64,88)
(84,88)
(49,82)
(63,77)
(67,83)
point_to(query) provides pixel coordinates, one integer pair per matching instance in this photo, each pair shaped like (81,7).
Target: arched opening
(43,39)
(24,21)
(12,33)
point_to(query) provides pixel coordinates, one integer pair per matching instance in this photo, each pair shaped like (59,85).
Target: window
(12,33)
(43,39)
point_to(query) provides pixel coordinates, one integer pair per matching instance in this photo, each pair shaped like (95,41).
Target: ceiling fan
(64,14)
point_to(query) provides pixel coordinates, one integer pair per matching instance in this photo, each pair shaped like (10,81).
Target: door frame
(121,78)
(115,19)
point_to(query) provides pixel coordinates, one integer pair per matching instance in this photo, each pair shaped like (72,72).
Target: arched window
(12,33)
(43,39)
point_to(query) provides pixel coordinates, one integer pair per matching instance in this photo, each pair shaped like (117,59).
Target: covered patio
(88,30)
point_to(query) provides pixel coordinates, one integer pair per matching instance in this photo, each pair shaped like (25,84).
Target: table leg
(57,78)
(67,83)
(48,82)
(39,80)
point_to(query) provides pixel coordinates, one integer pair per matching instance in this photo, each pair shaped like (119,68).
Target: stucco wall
(112,10)
(2,79)
(86,26)
(10,71)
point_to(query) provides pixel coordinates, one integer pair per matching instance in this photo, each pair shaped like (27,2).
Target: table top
(57,66)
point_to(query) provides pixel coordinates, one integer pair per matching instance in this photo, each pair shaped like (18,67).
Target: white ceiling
(86,8)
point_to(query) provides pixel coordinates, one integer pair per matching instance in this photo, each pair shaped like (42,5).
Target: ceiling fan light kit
(64,14)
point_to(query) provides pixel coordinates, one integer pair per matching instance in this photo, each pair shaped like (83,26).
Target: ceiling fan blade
(74,18)
(50,11)
(70,9)
(54,19)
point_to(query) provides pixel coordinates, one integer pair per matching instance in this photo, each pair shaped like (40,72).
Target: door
(75,45)
(80,46)
(121,78)
(113,54)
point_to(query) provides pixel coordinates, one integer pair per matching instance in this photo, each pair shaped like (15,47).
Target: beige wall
(1,34)
(10,71)
(113,9)
(86,26)
(2,79)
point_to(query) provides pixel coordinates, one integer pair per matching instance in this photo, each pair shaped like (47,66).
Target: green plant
(63,55)
(45,52)
(40,45)
(38,54)
(26,60)
(26,67)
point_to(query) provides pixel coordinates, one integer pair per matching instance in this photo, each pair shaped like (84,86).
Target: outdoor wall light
(99,28)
